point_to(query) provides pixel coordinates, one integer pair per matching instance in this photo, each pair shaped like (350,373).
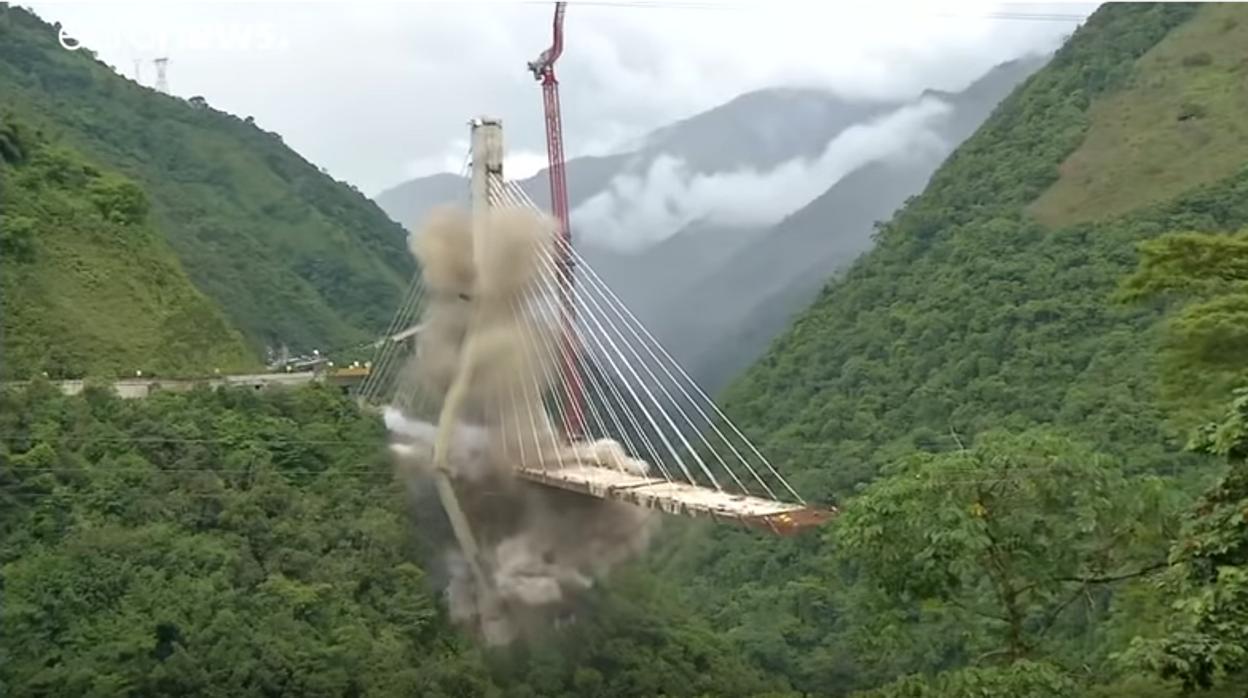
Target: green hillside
(87,287)
(288,253)
(1023,401)
(234,544)
(988,304)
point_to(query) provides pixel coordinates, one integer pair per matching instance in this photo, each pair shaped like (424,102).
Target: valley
(1023,388)
(739,269)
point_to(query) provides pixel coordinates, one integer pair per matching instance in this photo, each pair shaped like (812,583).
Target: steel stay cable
(631,320)
(313,476)
(389,348)
(408,311)
(587,312)
(610,356)
(581,262)
(597,380)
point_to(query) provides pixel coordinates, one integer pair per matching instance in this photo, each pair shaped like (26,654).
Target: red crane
(543,70)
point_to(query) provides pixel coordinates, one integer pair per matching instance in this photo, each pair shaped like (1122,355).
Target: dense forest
(236,544)
(973,315)
(1032,412)
(86,286)
(289,254)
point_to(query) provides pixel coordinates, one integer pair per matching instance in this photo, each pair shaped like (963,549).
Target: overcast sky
(379,92)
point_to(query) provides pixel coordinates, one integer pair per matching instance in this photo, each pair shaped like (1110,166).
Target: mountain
(87,286)
(727,318)
(289,254)
(977,392)
(717,265)
(765,129)
(758,131)
(988,303)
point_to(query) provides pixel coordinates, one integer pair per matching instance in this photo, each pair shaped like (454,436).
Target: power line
(162,80)
(722,5)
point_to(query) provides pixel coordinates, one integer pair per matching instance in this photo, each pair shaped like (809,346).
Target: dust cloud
(486,314)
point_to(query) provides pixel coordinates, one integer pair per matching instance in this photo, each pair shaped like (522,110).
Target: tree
(1009,535)
(1211,569)
(1206,343)
(1019,680)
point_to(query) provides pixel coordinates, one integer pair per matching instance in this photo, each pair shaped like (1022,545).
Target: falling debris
(486,330)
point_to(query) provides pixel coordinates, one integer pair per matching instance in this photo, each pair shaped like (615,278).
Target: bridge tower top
(487,172)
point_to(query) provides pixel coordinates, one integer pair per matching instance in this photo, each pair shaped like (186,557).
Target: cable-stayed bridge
(612,380)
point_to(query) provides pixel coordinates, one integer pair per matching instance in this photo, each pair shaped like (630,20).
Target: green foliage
(1174,125)
(1012,536)
(1203,347)
(1208,643)
(221,543)
(1022,680)
(288,253)
(232,543)
(974,368)
(86,285)
(972,316)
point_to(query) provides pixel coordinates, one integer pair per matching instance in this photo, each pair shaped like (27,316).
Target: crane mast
(543,70)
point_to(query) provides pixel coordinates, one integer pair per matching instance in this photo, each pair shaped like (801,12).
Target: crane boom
(543,70)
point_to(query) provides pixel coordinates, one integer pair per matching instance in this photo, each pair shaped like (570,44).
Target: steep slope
(1164,136)
(731,316)
(967,286)
(971,313)
(725,321)
(695,287)
(87,287)
(760,129)
(653,281)
(289,254)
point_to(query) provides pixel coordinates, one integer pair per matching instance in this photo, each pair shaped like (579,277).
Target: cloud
(638,210)
(367,88)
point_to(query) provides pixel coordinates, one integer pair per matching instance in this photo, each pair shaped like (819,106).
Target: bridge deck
(680,498)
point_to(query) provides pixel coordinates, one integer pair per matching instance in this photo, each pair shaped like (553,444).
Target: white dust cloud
(540,548)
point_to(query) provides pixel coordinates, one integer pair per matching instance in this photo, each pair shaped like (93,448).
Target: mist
(637,211)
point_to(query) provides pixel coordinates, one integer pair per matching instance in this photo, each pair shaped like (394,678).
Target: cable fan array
(638,428)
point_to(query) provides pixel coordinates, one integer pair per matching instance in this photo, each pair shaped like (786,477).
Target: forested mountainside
(87,287)
(725,319)
(988,303)
(289,254)
(1010,379)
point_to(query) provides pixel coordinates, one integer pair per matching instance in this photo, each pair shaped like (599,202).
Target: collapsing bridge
(613,381)
(619,418)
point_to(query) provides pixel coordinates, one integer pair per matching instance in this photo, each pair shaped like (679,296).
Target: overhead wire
(620,310)
(506,195)
(912,8)
(517,196)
